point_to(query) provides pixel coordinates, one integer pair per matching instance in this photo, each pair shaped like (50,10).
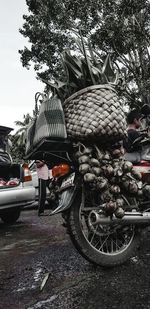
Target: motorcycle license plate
(68,182)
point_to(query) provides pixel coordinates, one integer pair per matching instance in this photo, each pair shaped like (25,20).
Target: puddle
(21,289)
(8,234)
(37,276)
(135,259)
(37,273)
(8,247)
(21,243)
(43,302)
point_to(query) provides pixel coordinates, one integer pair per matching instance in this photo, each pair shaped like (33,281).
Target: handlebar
(140,140)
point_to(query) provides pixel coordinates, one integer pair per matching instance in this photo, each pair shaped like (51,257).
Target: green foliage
(124,31)
(19,139)
(82,71)
(120,28)
(17,151)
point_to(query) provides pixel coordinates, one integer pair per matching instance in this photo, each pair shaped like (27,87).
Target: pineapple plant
(89,97)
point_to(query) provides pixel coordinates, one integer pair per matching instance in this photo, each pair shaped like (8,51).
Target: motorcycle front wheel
(101,245)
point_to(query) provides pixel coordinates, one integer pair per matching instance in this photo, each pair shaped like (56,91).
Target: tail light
(27,173)
(60,170)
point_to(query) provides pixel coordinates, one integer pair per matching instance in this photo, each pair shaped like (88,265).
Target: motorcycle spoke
(97,243)
(103,243)
(116,244)
(105,239)
(94,234)
(100,242)
(112,247)
(109,243)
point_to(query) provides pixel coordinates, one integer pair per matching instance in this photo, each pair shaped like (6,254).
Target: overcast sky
(17,84)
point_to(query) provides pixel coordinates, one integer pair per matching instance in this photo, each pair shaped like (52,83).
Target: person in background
(134,123)
(43,176)
(134,148)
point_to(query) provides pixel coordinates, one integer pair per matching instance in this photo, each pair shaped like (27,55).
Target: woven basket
(95,113)
(49,124)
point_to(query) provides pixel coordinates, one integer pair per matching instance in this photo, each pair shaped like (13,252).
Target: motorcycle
(105,232)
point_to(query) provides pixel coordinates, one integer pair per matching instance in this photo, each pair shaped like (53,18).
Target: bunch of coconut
(107,172)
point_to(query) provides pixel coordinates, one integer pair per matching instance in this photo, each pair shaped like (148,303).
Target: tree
(21,132)
(49,31)
(120,28)
(124,32)
(17,150)
(19,138)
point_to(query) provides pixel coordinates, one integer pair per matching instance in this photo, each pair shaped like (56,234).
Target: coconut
(146,190)
(102,183)
(83,159)
(120,202)
(94,162)
(108,170)
(117,153)
(84,168)
(137,175)
(127,166)
(96,170)
(110,207)
(119,213)
(133,187)
(89,177)
(115,189)
(106,196)
(118,172)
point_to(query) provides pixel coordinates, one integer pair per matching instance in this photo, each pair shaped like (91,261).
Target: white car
(16,186)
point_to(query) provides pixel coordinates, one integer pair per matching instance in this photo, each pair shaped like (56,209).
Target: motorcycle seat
(133,157)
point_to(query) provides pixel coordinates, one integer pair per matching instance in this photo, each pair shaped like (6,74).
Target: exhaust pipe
(129,218)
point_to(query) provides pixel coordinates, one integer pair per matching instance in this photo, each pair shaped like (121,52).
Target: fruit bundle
(107,172)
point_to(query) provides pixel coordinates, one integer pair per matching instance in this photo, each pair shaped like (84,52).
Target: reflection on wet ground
(37,246)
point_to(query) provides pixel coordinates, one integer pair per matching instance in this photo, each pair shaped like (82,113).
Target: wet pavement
(38,248)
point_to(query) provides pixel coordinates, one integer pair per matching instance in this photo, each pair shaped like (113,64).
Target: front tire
(103,246)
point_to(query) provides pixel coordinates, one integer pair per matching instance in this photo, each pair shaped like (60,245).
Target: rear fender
(66,198)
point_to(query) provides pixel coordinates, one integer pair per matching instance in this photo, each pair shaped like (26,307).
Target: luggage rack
(51,149)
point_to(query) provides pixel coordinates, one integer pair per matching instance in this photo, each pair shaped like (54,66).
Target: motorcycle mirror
(145,110)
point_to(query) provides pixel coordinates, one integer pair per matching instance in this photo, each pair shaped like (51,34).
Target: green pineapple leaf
(56,85)
(83,69)
(108,71)
(89,65)
(76,62)
(93,58)
(77,73)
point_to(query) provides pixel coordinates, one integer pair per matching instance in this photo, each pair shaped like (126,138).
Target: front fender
(66,199)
